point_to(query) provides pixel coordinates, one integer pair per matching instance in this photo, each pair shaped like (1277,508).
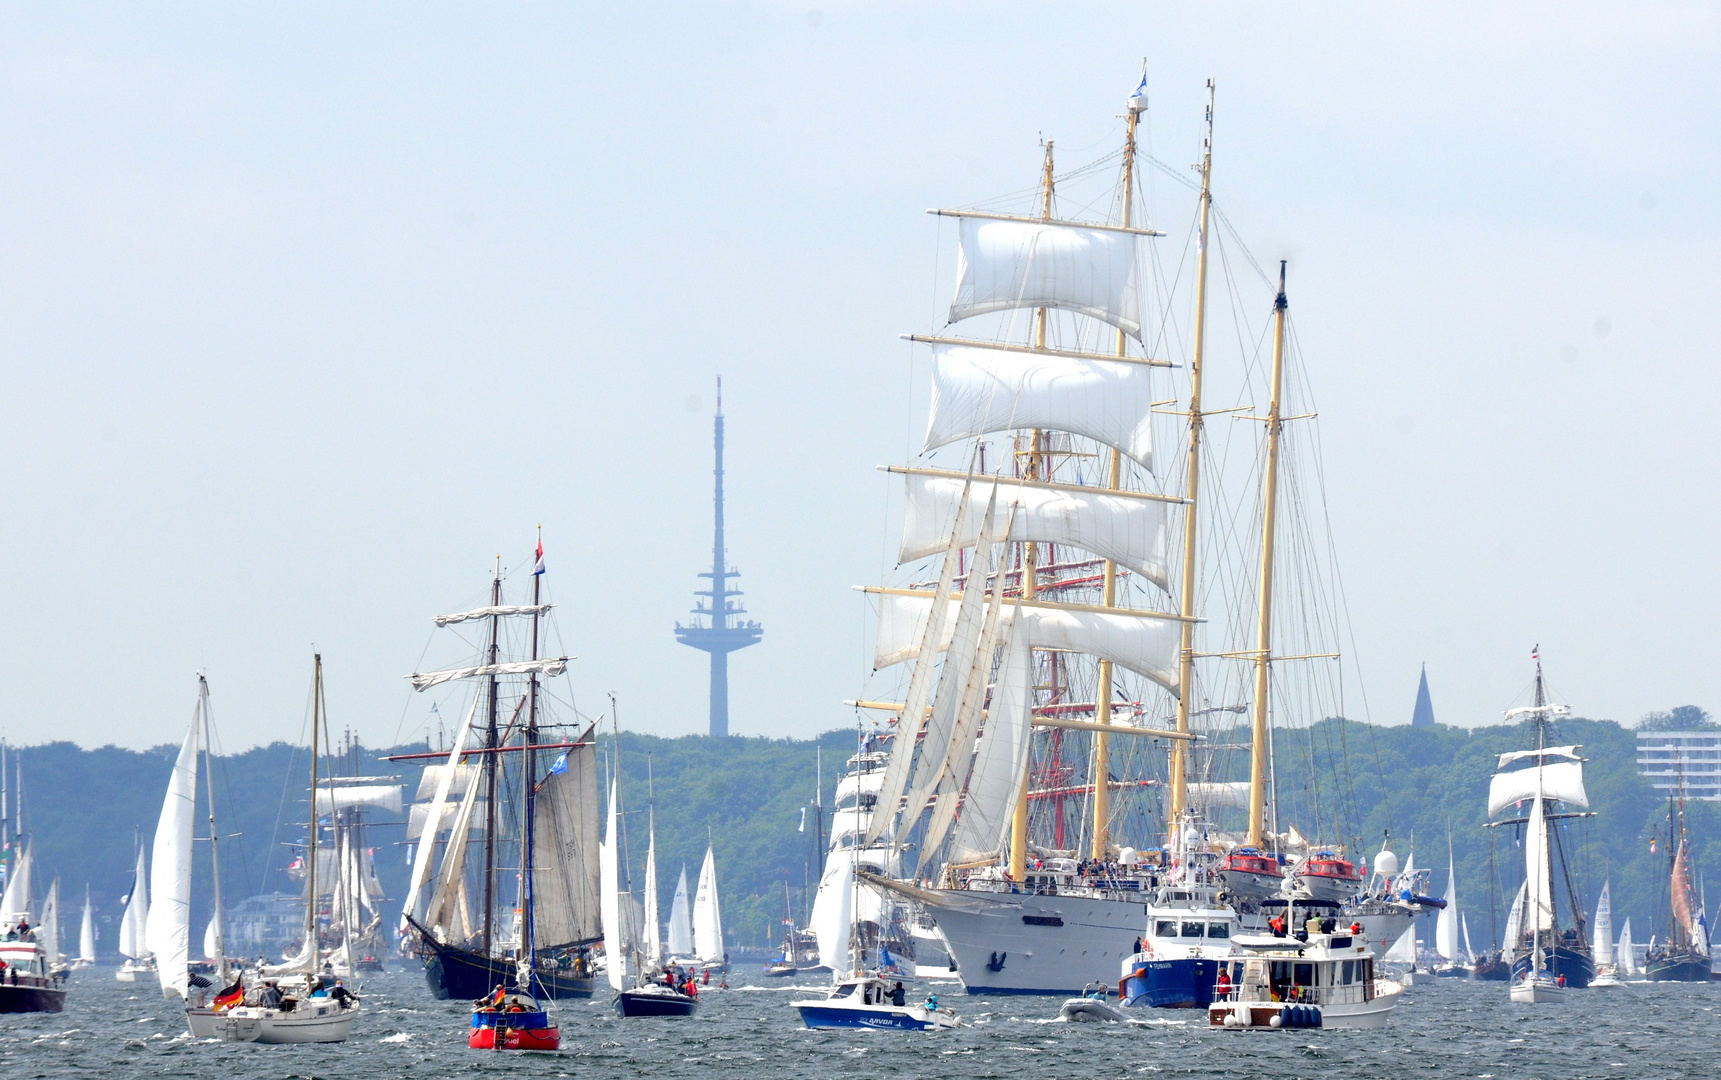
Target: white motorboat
(865,1002)
(1606,979)
(1328,981)
(308,1020)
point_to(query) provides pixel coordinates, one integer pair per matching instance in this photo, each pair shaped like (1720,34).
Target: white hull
(131,969)
(1073,940)
(1605,982)
(1384,928)
(312,1023)
(1349,1016)
(1536,991)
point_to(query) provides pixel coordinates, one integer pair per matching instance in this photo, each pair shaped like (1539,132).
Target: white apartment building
(1672,759)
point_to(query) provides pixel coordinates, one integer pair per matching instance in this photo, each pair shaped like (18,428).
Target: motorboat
(864,1001)
(1094,1006)
(1327,981)
(655,1000)
(1189,935)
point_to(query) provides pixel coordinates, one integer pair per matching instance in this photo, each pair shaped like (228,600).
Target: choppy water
(1447,1028)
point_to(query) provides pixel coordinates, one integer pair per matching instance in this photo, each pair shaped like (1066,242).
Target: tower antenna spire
(716,627)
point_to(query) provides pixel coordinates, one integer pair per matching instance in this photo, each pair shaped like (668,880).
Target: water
(1447,1028)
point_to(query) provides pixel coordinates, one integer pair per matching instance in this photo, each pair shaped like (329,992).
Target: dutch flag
(538,567)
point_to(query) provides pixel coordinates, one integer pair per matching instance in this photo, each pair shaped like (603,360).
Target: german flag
(233,995)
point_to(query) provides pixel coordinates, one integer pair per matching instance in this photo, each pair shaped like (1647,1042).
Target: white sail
(447,907)
(418,817)
(978,390)
(927,630)
(461,777)
(567,889)
(976,623)
(1604,927)
(707,914)
(1563,780)
(87,933)
(49,925)
(612,906)
(1403,950)
(833,911)
(999,758)
(424,680)
(1446,923)
(380,796)
(209,931)
(15,903)
(1538,870)
(1142,643)
(1625,951)
(134,932)
(169,927)
(1464,923)
(1012,265)
(1129,531)
(1515,922)
(1564,753)
(1212,794)
(428,829)
(653,944)
(680,921)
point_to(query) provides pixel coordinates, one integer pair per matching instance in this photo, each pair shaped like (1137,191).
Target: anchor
(996,964)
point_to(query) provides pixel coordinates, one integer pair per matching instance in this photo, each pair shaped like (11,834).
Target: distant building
(267,925)
(1670,760)
(1424,714)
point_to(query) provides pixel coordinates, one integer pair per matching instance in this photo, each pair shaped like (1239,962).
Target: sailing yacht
(708,945)
(1608,970)
(462,827)
(1683,953)
(1455,963)
(1625,952)
(1542,947)
(134,926)
(644,984)
(86,936)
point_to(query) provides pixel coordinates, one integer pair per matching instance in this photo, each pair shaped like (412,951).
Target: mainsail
(50,925)
(565,873)
(1626,951)
(16,900)
(87,933)
(680,921)
(134,925)
(707,915)
(618,942)
(1446,923)
(1604,927)
(169,924)
(653,944)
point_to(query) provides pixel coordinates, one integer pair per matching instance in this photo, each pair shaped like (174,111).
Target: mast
(1114,476)
(1264,627)
(214,837)
(311,945)
(1030,568)
(528,939)
(490,760)
(1186,602)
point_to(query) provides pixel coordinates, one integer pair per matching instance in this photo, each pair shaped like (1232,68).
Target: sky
(309,312)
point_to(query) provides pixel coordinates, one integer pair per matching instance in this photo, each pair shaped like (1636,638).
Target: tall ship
(468,825)
(1682,954)
(1037,787)
(1540,789)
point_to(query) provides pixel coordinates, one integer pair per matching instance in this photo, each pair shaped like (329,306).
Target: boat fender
(1427,901)
(1280,1019)
(1317,1016)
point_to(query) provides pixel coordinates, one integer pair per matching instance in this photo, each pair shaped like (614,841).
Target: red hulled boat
(515,1023)
(1252,873)
(1326,876)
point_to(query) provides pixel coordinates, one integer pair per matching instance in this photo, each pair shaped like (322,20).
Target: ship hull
(655,1002)
(1678,969)
(1008,943)
(1171,984)
(31,998)
(455,974)
(1577,967)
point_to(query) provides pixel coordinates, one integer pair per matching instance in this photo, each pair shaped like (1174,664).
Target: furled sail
(680,921)
(1212,794)
(1564,753)
(1142,643)
(380,796)
(707,914)
(1563,780)
(134,925)
(978,390)
(1010,265)
(487,612)
(928,627)
(1000,758)
(1604,927)
(424,680)
(169,927)
(419,815)
(431,780)
(1129,531)
(565,872)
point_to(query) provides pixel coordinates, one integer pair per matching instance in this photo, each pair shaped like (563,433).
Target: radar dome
(1127,857)
(1386,863)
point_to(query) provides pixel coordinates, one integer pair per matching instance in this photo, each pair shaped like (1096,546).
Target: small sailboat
(708,944)
(1607,967)
(1454,964)
(1402,958)
(680,943)
(649,993)
(134,926)
(1625,952)
(86,936)
(784,965)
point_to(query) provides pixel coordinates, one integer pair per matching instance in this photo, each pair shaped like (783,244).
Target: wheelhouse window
(1165,928)
(1219,930)
(1304,975)
(1192,929)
